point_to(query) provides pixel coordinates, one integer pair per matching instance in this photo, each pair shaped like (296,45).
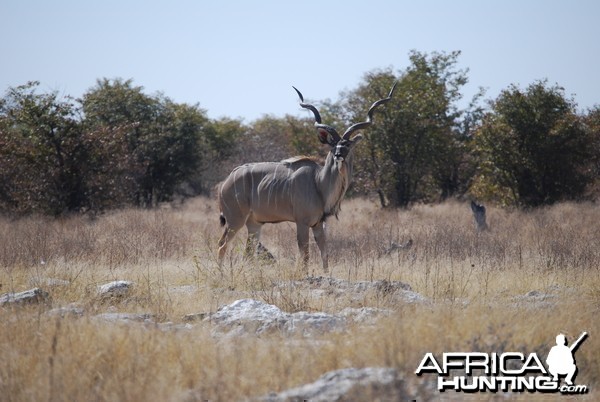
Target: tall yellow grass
(475,283)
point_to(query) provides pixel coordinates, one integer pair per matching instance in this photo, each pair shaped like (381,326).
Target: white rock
(115,289)
(249,315)
(35,295)
(371,383)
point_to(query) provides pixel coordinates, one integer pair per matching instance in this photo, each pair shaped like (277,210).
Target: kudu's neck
(332,181)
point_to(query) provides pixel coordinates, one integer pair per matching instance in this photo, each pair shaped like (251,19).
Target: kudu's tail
(219,201)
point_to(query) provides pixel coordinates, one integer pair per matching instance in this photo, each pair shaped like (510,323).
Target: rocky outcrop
(117,289)
(253,316)
(351,384)
(31,296)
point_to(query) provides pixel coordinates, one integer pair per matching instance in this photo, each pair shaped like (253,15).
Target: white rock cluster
(254,316)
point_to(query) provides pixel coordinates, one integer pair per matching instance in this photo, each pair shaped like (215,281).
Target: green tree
(591,121)
(534,148)
(267,139)
(219,144)
(417,150)
(51,162)
(41,152)
(164,137)
(274,138)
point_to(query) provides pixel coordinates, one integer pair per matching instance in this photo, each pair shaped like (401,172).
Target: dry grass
(474,282)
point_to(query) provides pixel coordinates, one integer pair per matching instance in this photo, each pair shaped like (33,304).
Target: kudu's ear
(356,139)
(326,137)
(322,135)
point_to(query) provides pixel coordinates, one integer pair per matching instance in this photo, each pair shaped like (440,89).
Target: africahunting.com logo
(507,372)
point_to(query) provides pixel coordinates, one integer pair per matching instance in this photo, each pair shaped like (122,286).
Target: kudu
(296,190)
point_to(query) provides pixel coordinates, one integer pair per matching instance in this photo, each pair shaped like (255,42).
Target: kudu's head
(342,145)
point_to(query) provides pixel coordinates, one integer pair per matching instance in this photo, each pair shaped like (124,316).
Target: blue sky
(240,58)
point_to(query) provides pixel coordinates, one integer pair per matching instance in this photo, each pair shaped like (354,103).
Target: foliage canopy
(119,146)
(533,147)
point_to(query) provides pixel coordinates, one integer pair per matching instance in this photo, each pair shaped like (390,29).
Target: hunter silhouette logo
(507,372)
(560,359)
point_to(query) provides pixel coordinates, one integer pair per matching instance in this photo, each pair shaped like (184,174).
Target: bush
(534,148)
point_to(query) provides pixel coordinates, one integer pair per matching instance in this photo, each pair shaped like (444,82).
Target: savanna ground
(475,284)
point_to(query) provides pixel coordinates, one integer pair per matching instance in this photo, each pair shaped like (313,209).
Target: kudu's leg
(253,237)
(232,225)
(253,244)
(228,234)
(321,239)
(302,236)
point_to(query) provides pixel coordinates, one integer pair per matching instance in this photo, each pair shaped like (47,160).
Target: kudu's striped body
(296,190)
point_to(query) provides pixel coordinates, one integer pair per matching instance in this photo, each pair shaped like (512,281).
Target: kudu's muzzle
(341,150)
